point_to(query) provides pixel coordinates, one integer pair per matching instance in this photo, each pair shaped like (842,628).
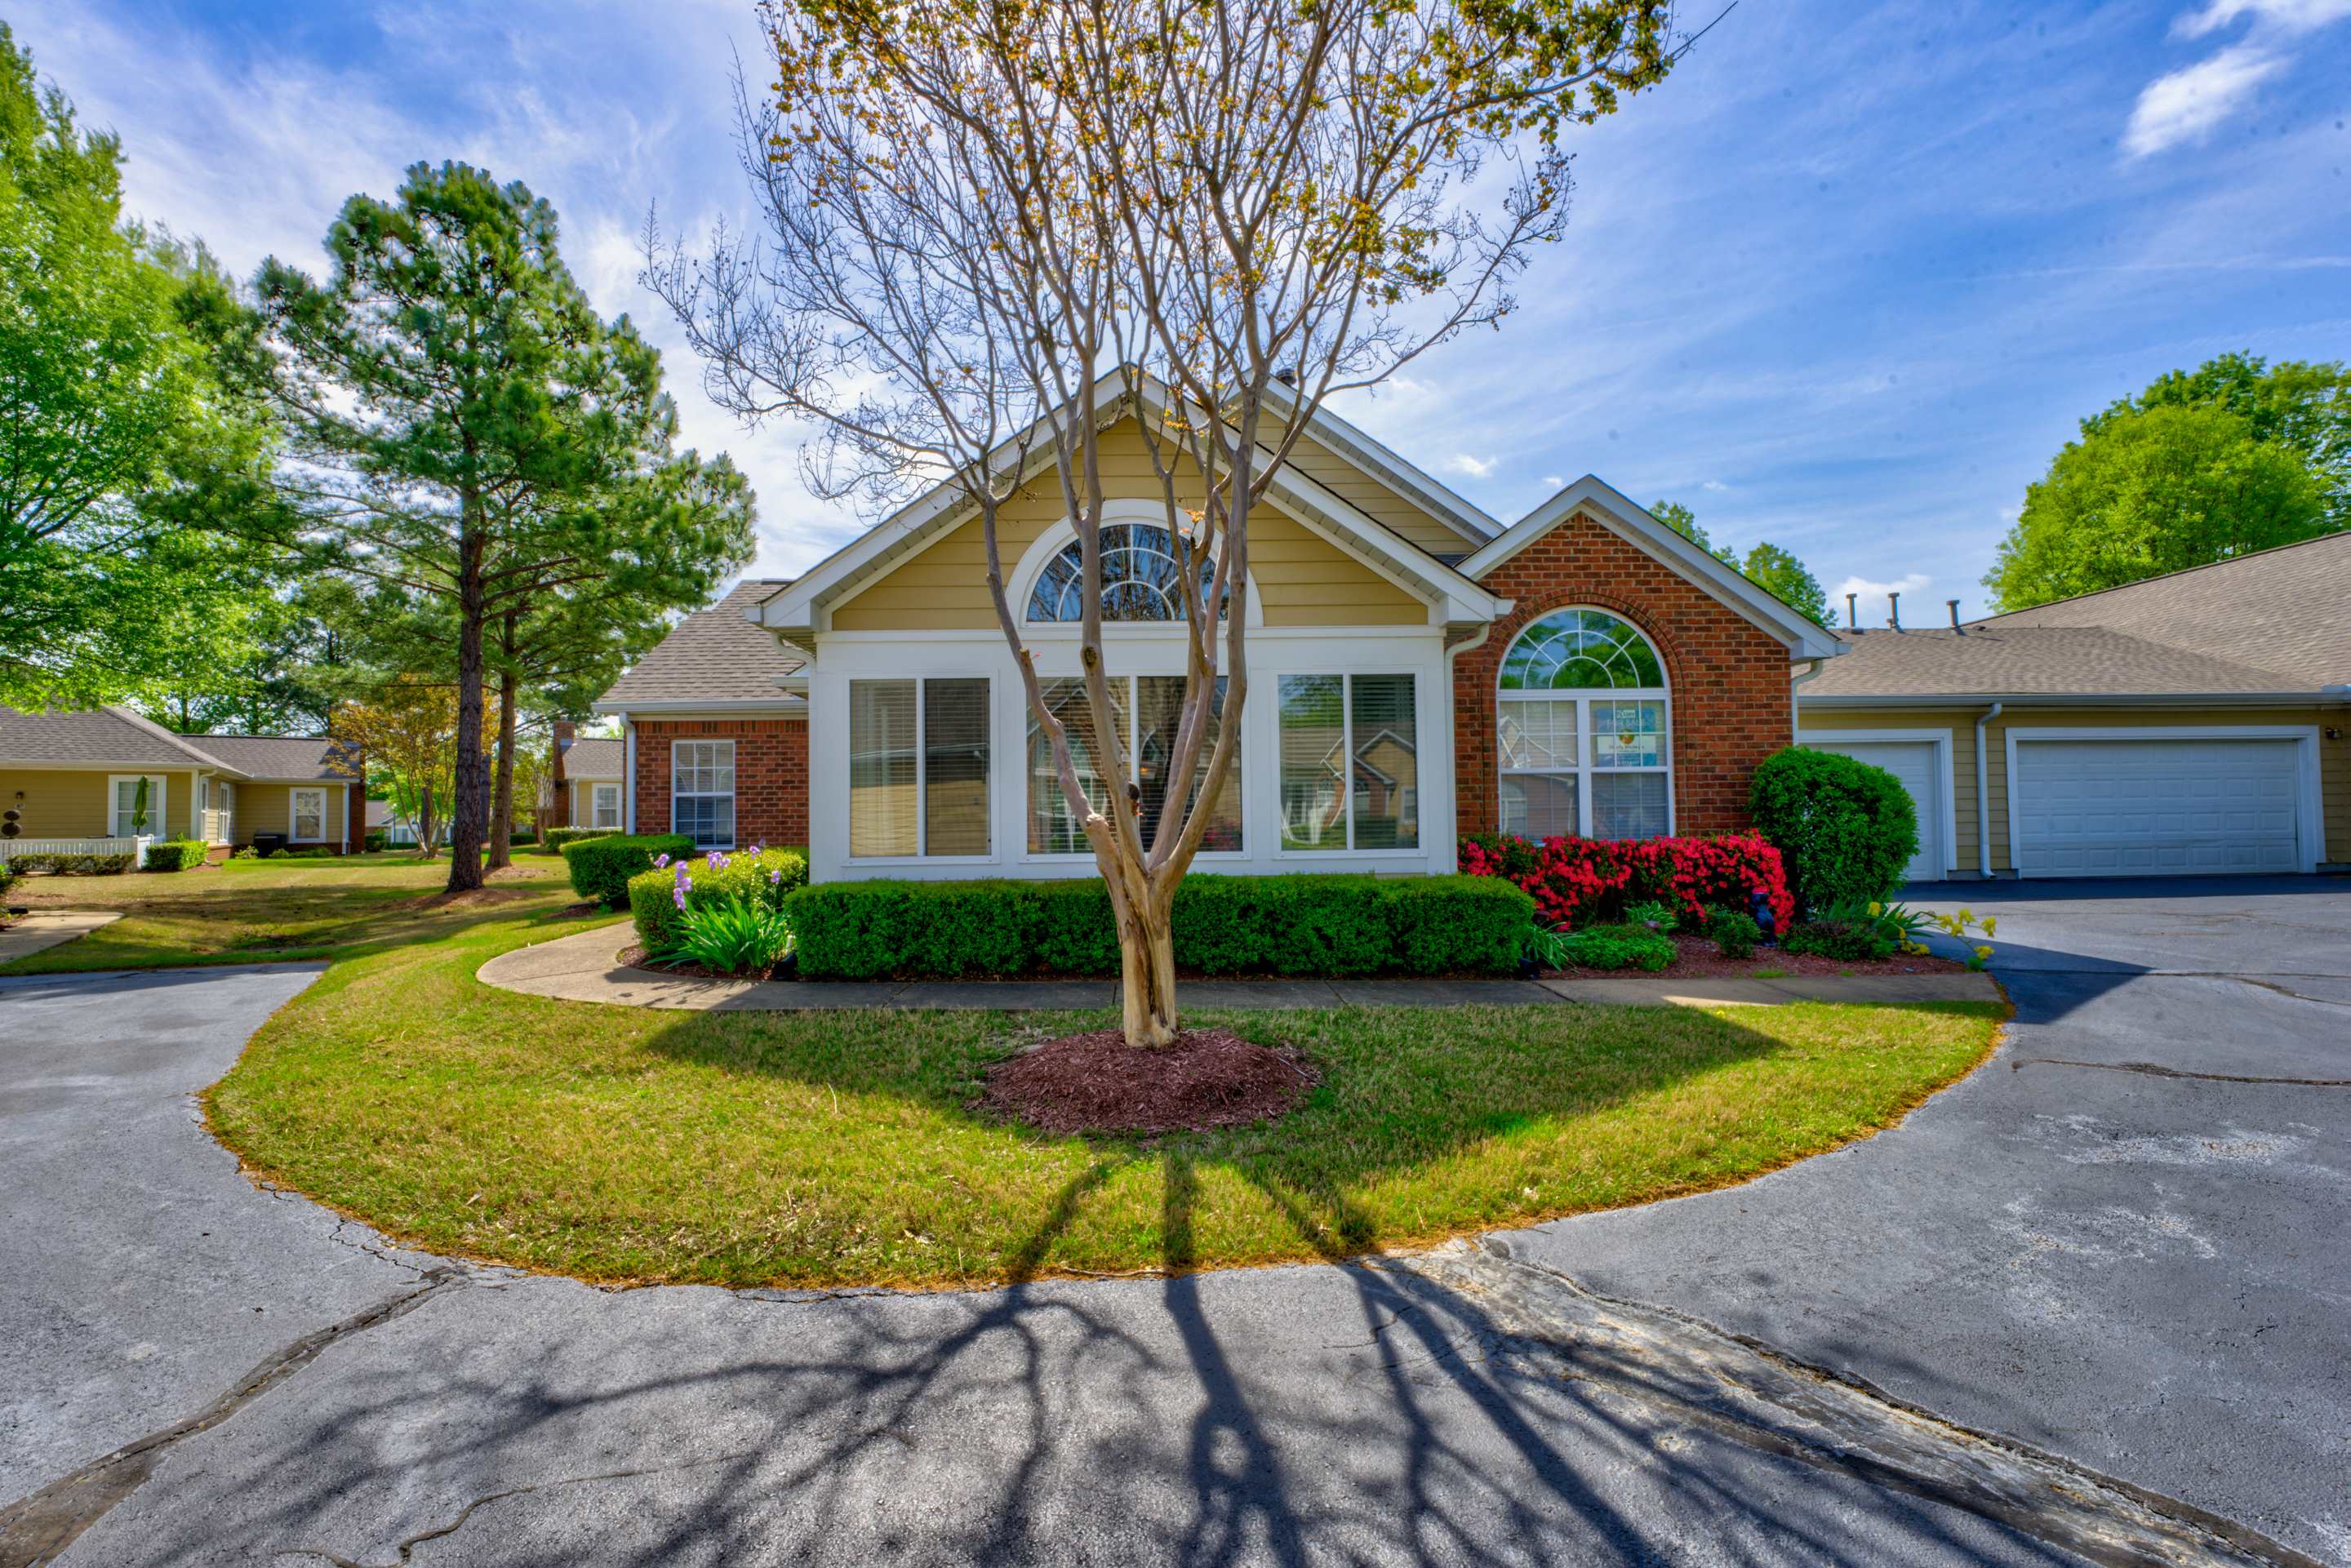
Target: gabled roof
(1328,429)
(303,757)
(601,758)
(943,508)
(1991,660)
(714,658)
(1620,515)
(91,737)
(2286,609)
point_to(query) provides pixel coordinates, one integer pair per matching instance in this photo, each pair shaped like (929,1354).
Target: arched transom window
(1582,727)
(1141,581)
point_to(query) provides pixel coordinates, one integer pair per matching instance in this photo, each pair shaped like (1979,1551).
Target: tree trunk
(427,827)
(1146,965)
(466,827)
(501,806)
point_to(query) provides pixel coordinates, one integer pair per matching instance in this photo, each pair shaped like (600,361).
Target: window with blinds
(918,767)
(1349,773)
(702,792)
(1149,711)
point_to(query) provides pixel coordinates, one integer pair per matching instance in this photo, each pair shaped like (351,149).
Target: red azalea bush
(1575,881)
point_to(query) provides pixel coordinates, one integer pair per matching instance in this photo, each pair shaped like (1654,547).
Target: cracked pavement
(2061,1314)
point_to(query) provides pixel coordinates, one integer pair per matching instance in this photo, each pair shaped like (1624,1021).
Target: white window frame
(1420,728)
(294,815)
(226,824)
(159,811)
(732,795)
(596,795)
(1584,697)
(1237,776)
(922,855)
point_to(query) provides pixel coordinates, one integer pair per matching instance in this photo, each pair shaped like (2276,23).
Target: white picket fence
(136,846)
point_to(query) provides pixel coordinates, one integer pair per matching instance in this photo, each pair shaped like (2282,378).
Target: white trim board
(2309,828)
(1941,739)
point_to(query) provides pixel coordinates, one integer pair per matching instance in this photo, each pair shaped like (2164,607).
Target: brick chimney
(559,787)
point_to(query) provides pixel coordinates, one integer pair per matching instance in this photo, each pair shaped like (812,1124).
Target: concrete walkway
(586,968)
(31,933)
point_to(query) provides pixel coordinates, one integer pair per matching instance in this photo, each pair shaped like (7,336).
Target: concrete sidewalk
(39,931)
(586,968)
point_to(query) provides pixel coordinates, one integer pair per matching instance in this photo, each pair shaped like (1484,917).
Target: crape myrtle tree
(990,232)
(466,428)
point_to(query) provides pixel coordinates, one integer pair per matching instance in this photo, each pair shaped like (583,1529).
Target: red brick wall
(1731,701)
(770,774)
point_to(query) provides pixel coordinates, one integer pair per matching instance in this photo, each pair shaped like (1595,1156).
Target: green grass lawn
(829,1148)
(255,909)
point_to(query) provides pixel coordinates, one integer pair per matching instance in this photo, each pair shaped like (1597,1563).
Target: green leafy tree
(124,432)
(2148,491)
(472,434)
(2301,407)
(1775,570)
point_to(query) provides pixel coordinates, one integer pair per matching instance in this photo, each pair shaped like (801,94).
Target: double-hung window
(918,767)
(130,814)
(310,812)
(1581,721)
(1149,711)
(1349,763)
(605,810)
(702,792)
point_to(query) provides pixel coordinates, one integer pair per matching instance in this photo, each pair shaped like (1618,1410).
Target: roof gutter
(2302,698)
(1983,796)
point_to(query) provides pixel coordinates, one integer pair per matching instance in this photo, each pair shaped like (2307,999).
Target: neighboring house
(1416,670)
(582,787)
(2189,723)
(383,817)
(71,779)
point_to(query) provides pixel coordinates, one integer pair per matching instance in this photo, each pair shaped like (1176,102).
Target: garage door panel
(2156,808)
(1914,762)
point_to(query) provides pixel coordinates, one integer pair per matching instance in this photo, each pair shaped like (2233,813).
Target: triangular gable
(1614,510)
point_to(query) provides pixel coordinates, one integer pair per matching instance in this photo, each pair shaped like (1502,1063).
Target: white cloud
(1554,482)
(1871,596)
(2190,104)
(1714,485)
(2286,15)
(1476,467)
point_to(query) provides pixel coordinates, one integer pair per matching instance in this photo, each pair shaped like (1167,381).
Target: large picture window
(1349,763)
(1148,710)
(1581,723)
(702,792)
(918,767)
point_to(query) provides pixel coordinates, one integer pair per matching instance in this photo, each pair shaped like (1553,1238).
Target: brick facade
(1733,705)
(770,774)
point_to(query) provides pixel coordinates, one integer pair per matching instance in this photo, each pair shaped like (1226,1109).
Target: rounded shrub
(1843,829)
(655,904)
(600,867)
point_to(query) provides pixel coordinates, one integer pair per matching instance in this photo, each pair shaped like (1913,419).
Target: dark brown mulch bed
(635,958)
(1096,1083)
(1698,960)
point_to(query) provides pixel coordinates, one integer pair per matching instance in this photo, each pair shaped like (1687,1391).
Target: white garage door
(2156,808)
(1913,762)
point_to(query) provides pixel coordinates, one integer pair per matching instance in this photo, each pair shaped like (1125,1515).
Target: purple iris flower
(661,862)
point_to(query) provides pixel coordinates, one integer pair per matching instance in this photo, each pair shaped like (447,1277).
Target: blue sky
(1845,282)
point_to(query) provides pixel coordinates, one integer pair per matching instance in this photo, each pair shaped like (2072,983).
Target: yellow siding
(1371,497)
(72,802)
(2333,755)
(1302,581)
(265,808)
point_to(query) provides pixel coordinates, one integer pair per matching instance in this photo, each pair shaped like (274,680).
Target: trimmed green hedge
(561,839)
(176,854)
(770,877)
(75,864)
(1844,829)
(1304,924)
(602,866)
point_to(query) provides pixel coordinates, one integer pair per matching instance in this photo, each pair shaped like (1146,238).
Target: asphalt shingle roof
(98,734)
(2287,609)
(713,655)
(281,755)
(2001,659)
(597,758)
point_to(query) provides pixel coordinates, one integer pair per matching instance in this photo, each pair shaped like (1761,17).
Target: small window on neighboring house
(310,815)
(702,792)
(607,808)
(131,816)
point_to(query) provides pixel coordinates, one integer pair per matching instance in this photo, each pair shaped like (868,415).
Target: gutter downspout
(629,791)
(1453,724)
(1983,796)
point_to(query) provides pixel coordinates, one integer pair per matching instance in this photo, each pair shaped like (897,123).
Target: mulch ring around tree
(1096,1083)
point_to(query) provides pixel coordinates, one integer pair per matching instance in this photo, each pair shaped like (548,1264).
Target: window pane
(1538,733)
(1053,827)
(1313,806)
(1387,763)
(1159,716)
(308,811)
(954,768)
(1628,735)
(881,768)
(1141,578)
(1540,805)
(1581,650)
(1628,805)
(707,819)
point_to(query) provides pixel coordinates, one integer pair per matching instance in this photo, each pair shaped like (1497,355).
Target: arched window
(1581,722)
(1141,581)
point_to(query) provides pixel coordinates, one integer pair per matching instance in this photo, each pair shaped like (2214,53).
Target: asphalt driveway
(2135,1280)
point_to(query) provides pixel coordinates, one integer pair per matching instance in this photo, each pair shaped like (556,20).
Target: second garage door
(2156,808)
(1917,765)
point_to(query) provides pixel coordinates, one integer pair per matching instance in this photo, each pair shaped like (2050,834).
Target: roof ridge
(2332,535)
(172,737)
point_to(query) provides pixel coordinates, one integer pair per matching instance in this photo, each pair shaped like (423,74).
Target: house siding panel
(1729,678)
(770,774)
